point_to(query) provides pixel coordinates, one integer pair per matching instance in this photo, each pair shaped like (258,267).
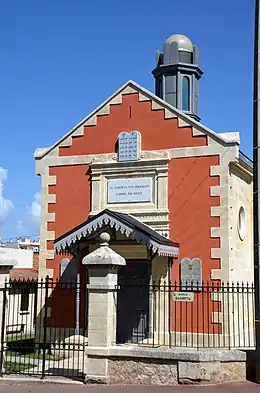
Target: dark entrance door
(133,302)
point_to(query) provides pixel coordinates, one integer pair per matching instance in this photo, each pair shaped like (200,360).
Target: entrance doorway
(133,302)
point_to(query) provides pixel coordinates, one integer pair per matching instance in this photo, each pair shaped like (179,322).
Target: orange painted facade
(189,206)
(157,132)
(189,183)
(189,178)
(72,205)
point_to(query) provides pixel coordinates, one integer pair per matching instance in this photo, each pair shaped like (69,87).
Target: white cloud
(31,222)
(5,204)
(21,228)
(34,210)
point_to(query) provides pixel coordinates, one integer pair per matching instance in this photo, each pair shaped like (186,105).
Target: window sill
(24,312)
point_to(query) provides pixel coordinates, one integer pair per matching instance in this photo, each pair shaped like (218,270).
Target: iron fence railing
(202,315)
(41,321)
(40,325)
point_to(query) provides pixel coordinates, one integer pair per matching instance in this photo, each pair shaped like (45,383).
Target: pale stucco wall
(15,318)
(241,250)
(24,258)
(239,303)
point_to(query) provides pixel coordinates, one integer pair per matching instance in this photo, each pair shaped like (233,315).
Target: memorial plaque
(191,274)
(129,146)
(129,190)
(183,296)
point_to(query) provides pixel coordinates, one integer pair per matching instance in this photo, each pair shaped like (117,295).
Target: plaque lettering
(129,146)
(183,296)
(191,274)
(129,190)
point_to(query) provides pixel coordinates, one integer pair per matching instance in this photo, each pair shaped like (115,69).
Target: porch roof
(124,223)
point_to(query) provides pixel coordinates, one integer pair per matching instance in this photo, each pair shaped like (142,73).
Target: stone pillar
(6,264)
(103,264)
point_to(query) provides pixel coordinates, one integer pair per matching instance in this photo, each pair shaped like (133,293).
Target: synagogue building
(174,196)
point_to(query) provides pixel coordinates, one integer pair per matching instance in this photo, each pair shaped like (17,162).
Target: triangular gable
(157,104)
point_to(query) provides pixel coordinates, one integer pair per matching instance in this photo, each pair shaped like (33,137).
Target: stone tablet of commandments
(123,146)
(191,274)
(129,146)
(197,271)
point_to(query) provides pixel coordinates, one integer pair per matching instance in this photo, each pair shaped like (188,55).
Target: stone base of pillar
(97,370)
(131,364)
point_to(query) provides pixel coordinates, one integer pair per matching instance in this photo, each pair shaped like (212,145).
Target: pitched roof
(127,224)
(231,138)
(246,160)
(23,274)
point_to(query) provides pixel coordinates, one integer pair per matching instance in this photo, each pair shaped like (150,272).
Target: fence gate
(43,328)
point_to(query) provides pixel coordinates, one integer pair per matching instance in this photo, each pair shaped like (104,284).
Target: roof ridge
(224,137)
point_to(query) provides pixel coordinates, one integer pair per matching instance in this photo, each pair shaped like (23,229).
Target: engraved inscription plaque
(183,296)
(191,274)
(129,190)
(129,146)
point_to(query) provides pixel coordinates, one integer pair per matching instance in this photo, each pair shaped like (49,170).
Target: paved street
(13,387)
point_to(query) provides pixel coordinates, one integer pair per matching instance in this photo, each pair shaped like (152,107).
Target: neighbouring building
(22,294)
(175,197)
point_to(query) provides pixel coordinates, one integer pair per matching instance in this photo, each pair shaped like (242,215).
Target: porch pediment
(126,225)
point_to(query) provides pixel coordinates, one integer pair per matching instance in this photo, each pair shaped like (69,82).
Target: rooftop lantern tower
(177,74)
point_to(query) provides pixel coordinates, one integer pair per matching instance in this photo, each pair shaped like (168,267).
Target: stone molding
(103,255)
(185,354)
(155,167)
(182,152)
(46,217)
(227,155)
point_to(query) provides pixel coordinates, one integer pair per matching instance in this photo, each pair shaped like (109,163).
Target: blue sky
(59,59)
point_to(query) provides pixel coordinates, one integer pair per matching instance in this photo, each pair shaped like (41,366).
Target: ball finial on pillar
(104,239)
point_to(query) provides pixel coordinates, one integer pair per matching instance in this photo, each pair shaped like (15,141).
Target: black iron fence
(44,322)
(41,326)
(203,315)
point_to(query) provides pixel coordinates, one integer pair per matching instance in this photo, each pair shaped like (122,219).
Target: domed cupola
(177,74)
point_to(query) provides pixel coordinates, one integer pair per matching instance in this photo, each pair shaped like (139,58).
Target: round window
(241,223)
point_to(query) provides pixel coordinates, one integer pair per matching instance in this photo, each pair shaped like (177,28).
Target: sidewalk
(40,387)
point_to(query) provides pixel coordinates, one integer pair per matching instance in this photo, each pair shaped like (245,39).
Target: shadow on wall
(69,270)
(56,318)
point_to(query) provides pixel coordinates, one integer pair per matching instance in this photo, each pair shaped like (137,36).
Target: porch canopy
(126,224)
